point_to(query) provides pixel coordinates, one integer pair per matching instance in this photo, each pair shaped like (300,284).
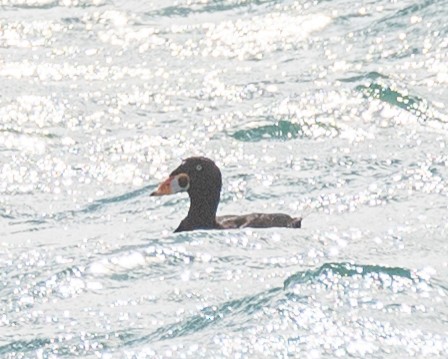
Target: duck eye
(183,181)
(199,168)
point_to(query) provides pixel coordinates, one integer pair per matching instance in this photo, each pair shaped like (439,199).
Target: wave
(49,4)
(282,131)
(210,316)
(346,270)
(205,7)
(234,313)
(91,208)
(98,204)
(414,104)
(24,346)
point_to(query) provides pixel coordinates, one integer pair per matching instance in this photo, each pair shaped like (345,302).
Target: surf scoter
(201,179)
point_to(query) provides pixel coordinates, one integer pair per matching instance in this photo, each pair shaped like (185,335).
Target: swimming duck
(201,179)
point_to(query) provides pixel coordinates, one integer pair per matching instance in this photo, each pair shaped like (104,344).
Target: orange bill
(173,184)
(164,188)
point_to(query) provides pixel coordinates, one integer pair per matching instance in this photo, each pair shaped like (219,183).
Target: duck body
(259,220)
(201,179)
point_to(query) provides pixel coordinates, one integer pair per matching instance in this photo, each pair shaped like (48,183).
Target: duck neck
(203,207)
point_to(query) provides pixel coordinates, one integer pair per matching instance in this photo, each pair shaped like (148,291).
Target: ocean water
(333,110)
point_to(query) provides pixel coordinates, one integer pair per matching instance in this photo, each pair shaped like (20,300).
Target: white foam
(129,261)
(123,263)
(101,267)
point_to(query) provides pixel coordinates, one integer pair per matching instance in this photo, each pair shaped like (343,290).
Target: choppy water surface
(333,110)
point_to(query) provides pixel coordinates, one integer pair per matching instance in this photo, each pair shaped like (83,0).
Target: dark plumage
(201,179)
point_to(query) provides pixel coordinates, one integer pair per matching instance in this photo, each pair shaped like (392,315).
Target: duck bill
(173,184)
(164,188)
